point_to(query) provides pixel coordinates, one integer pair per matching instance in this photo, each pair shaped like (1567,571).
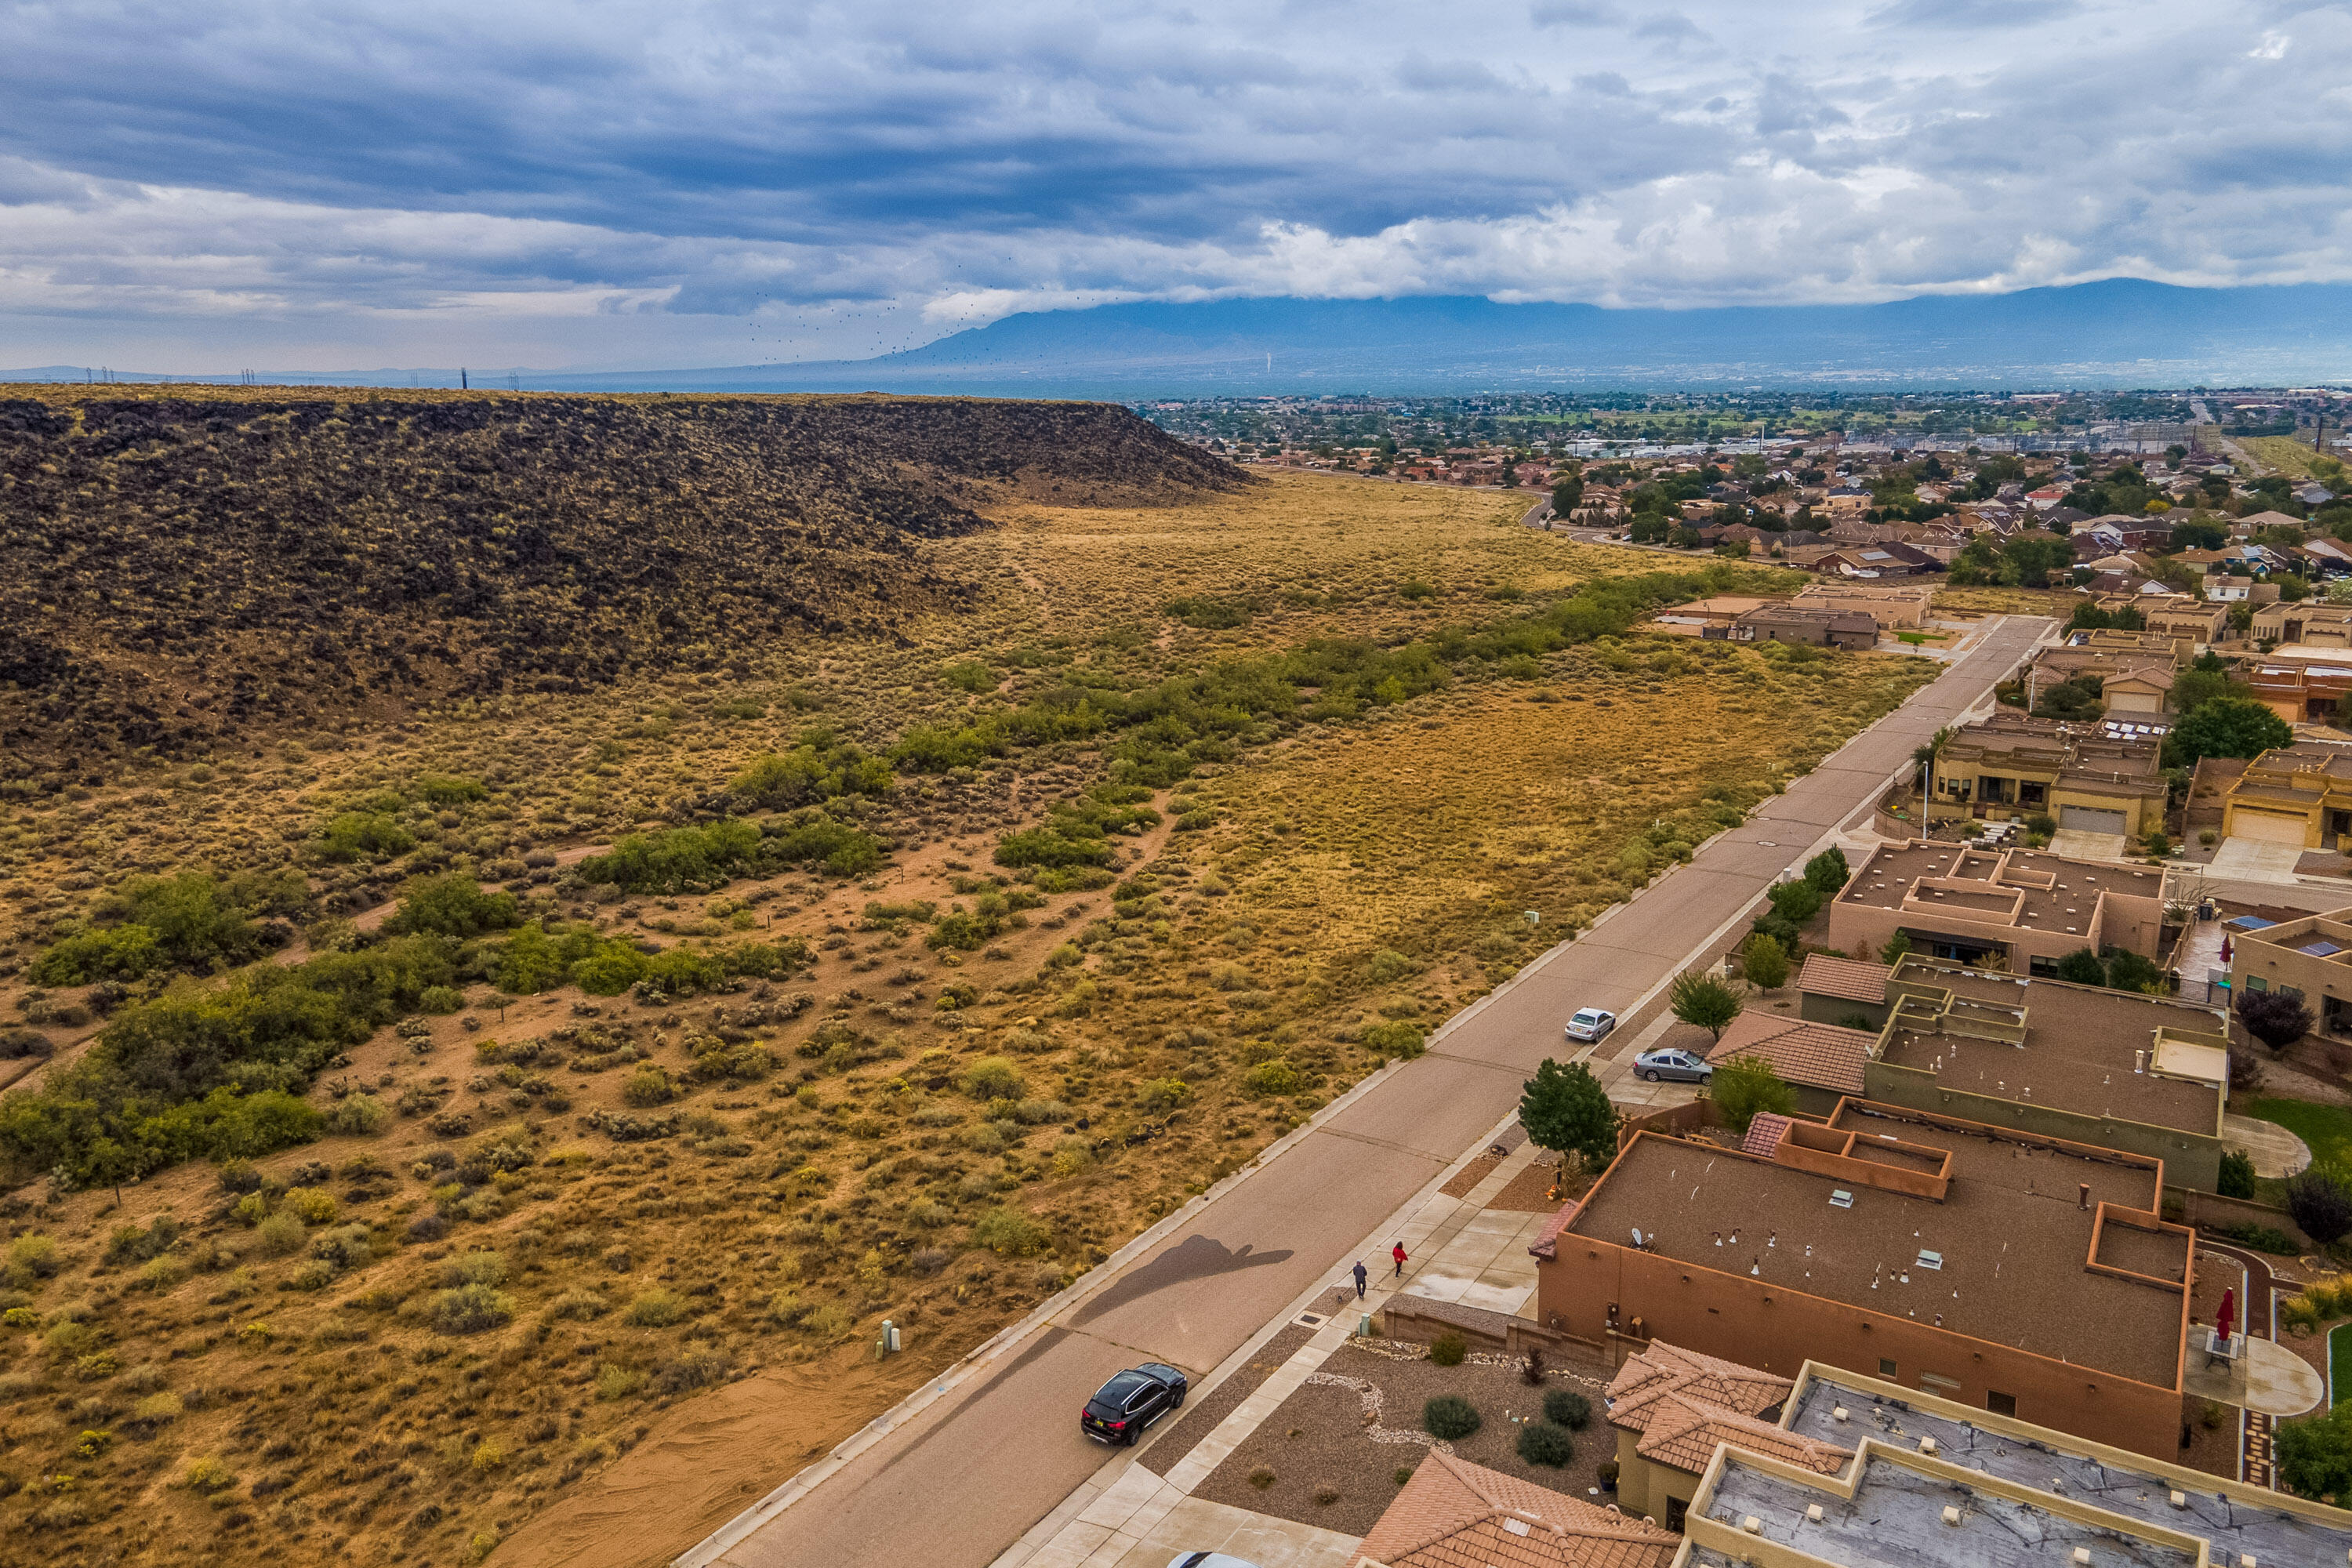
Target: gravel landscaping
(1321,1443)
(1202,1411)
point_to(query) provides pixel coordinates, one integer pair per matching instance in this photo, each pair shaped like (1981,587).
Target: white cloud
(717,182)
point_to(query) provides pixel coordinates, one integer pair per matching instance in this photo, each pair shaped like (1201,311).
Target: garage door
(2266,827)
(2083,820)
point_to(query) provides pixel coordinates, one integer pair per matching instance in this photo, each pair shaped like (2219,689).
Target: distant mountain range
(2121,333)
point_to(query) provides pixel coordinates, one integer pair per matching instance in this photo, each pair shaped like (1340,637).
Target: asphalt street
(961,1480)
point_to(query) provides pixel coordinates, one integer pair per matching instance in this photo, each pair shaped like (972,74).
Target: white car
(1591,1023)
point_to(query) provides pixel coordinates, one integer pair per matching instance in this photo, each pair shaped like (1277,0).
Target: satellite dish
(1637,1236)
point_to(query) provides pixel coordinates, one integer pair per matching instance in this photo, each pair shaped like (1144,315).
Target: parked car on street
(1652,1066)
(1131,1401)
(1591,1023)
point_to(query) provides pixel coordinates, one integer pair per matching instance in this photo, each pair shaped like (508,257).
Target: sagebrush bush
(470,1310)
(1011,1232)
(312,1205)
(357,1113)
(649,1085)
(992,1078)
(1448,1349)
(475,1268)
(655,1309)
(579,1303)
(281,1233)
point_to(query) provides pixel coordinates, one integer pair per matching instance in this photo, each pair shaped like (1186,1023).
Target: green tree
(1764,963)
(1568,495)
(1796,901)
(1565,1109)
(2199,533)
(1828,871)
(1702,1001)
(2315,1454)
(454,905)
(2225,727)
(1745,1086)
(2083,967)
(2207,678)
(1897,948)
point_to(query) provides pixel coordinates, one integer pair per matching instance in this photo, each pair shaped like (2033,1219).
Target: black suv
(1124,1406)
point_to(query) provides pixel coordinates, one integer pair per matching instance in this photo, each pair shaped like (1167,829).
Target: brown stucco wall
(1776,1330)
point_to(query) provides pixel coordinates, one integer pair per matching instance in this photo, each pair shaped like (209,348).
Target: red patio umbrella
(2227,1316)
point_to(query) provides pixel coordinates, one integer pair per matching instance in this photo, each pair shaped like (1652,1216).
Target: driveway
(959,1481)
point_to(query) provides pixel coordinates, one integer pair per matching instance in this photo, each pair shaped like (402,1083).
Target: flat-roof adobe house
(2002,1269)
(2120,1069)
(2311,958)
(2013,766)
(2018,910)
(1934,1484)
(2293,794)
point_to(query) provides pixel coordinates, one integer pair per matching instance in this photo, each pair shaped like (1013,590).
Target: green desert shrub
(655,1309)
(356,1113)
(470,1310)
(1546,1443)
(1448,1349)
(1449,1416)
(1011,1232)
(1566,1407)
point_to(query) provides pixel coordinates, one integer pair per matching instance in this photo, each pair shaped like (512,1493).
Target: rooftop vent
(2082,1557)
(1840,1414)
(1840,1199)
(2181,1500)
(1516,1526)
(1813,1513)
(1930,1259)
(1928,1445)
(1755,1526)
(1951,1514)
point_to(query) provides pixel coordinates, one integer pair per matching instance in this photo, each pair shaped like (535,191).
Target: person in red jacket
(1397,1252)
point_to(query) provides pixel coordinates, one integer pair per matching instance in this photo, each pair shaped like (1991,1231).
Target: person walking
(1397,1252)
(1361,1275)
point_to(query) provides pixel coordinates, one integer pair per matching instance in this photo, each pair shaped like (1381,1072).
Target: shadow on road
(1197,1257)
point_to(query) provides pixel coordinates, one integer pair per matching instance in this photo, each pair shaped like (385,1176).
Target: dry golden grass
(1358,874)
(1998,601)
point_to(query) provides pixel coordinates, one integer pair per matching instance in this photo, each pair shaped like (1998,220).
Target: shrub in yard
(1448,1349)
(1010,1233)
(1261,1477)
(1449,1416)
(470,1310)
(1546,1443)
(655,1309)
(2237,1178)
(2320,1205)
(1566,1407)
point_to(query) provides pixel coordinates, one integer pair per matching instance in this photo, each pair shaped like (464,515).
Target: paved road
(961,1480)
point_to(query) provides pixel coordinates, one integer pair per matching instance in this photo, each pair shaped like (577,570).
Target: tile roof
(1665,1369)
(1684,1431)
(1848,979)
(1764,1135)
(1548,1237)
(1456,1514)
(1820,1055)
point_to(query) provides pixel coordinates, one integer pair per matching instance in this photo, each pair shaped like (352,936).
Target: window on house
(2256,982)
(1885,1367)
(1940,1387)
(2001,1404)
(1675,1508)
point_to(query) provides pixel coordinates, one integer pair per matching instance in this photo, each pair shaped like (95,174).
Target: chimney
(2082,1194)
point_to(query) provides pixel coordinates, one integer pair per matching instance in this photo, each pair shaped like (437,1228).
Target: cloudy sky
(323,186)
